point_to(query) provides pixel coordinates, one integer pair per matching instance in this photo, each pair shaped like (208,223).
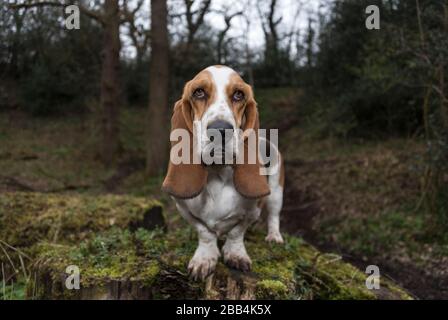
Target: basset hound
(222,200)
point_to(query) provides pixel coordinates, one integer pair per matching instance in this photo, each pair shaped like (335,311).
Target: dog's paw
(203,263)
(237,258)
(274,237)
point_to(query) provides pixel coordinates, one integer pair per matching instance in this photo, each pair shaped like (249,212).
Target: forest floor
(362,203)
(358,199)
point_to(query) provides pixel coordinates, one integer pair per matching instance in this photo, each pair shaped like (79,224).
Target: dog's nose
(220,126)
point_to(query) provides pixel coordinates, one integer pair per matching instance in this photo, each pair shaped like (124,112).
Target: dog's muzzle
(219,133)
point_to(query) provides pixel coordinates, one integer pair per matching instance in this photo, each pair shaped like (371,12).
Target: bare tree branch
(193,25)
(139,36)
(222,34)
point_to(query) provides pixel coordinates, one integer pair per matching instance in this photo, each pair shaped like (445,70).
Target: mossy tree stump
(120,264)
(123,251)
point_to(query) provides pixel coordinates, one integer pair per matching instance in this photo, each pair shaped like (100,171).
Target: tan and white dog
(222,200)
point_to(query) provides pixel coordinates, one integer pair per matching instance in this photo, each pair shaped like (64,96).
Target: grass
(378,234)
(13,291)
(14,272)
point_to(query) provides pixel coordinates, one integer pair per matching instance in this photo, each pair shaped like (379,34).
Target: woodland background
(362,114)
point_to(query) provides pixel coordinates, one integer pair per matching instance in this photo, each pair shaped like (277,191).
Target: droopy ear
(247,178)
(184,181)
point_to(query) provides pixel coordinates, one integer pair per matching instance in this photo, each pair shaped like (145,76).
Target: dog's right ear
(184,181)
(247,177)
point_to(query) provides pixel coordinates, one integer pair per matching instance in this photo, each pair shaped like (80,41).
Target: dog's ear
(247,178)
(184,181)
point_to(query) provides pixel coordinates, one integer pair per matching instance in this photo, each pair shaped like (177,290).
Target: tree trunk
(219,47)
(309,44)
(14,68)
(110,85)
(158,113)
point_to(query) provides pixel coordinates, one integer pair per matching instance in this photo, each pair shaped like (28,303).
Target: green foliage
(55,69)
(432,67)
(367,83)
(12,290)
(276,69)
(136,81)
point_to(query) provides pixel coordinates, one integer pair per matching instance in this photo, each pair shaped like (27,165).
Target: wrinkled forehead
(219,77)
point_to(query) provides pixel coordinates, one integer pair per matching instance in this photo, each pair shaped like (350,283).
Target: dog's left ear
(184,181)
(247,178)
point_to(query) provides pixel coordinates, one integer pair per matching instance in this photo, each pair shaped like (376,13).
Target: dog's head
(219,112)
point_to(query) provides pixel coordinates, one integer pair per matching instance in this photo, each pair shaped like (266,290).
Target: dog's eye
(238,96)
(199,93)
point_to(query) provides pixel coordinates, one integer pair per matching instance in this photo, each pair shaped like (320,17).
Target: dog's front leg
(207,253)
(234,250)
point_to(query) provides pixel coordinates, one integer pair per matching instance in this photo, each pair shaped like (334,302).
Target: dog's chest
(219,205)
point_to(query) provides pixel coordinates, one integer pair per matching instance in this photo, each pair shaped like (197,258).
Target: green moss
(27,218)
(150,272)
(308,273)
(271,289)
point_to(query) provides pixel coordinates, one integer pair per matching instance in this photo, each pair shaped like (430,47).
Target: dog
(222,200)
